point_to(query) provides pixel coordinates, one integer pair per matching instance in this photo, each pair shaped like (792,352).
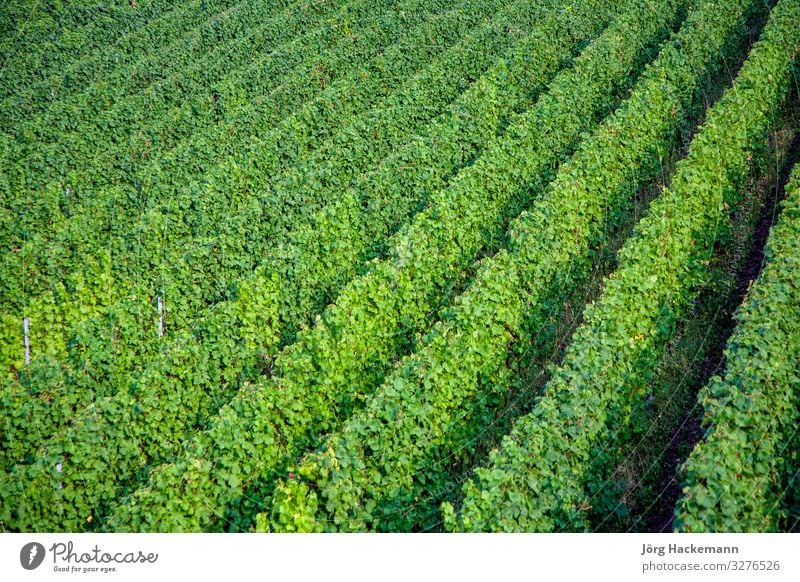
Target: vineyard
(400,265)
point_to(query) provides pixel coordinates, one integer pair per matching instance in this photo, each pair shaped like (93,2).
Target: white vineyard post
(27,341)
(160,317)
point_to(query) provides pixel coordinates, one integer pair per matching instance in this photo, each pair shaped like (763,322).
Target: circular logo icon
(31,555)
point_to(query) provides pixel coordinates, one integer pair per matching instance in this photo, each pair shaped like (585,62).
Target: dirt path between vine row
(689,431)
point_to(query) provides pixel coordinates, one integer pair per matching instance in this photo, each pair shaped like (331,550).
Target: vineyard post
(27,341)
(160,317)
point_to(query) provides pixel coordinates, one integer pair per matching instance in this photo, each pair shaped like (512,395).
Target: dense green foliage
(203,364)
(542,476)
(333,366)
(459,128)
(736,477)
(301,265)
(127,315)
(129,118)
(109,233)
(321,254)
(388,468)
(90,80)
(91,38)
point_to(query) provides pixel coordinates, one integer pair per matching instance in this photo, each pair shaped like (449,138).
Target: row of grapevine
(199,365)
(92,128)
(393,121)
(125,173)
(144,346)
(106,135)
(317,176)
(322,253)
(41,40)
(47,68)
(397,122)
(333,367)
(389,467)
(736,477)
(140,252)
(543,476)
